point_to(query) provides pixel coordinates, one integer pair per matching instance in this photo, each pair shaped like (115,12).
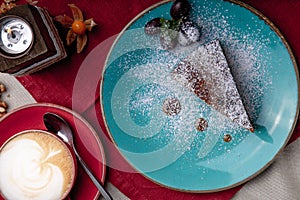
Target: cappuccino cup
(36,164)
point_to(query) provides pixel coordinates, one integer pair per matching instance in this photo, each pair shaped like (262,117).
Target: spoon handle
(103,192)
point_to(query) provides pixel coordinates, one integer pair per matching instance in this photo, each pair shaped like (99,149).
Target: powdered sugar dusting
(144,87)
(245,50)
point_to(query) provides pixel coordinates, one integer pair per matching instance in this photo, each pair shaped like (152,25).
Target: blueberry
(153,26)
(180,9)
(188,33)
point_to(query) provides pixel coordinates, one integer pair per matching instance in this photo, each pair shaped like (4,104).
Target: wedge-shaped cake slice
(206,73)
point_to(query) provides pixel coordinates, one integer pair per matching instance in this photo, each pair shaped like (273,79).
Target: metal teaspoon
(58,125)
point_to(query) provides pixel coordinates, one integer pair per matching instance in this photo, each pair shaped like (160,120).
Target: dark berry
(188,33)
(153,26)
(180,9)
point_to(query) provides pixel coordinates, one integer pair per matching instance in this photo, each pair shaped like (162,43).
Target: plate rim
(274,28)
(80,118)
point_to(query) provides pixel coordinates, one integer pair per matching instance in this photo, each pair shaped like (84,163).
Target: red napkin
(65,84)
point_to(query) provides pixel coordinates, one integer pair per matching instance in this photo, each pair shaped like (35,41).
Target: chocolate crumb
(171,106)
(227,138)
(201,124)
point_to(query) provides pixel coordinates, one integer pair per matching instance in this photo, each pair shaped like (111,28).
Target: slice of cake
(206,73)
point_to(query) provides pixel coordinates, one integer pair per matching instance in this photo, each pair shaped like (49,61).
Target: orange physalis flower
(78,27)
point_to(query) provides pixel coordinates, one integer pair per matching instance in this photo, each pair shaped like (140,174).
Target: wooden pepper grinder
(29,41)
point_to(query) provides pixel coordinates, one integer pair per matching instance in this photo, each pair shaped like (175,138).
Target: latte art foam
(35,166)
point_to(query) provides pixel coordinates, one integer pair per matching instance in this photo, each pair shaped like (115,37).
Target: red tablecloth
(56,83)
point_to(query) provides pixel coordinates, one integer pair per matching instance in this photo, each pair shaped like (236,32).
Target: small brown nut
(3,104)
(2,114)
(2,88)
(2,110)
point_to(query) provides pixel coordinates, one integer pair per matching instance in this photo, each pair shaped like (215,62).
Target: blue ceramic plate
(168,149)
